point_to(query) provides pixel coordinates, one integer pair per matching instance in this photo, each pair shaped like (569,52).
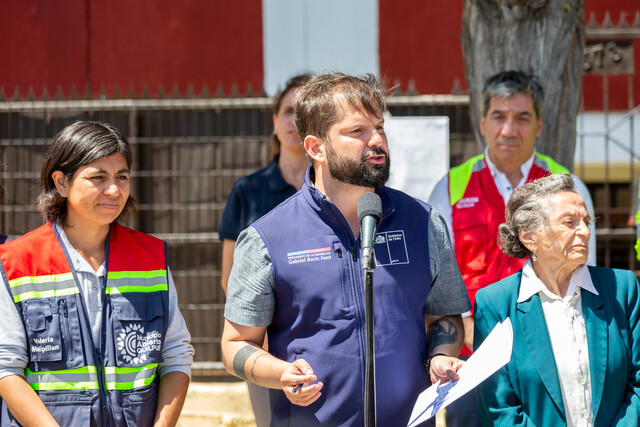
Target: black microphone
(369,215)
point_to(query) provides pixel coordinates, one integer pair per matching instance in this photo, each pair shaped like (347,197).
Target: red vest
(476,217)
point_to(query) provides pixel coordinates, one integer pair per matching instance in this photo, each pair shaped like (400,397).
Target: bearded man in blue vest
(297,274)
(472,196)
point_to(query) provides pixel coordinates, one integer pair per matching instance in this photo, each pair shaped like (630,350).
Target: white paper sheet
(419,148)
(494,353)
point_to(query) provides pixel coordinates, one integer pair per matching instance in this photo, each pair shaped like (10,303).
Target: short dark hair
(526,210)
(320,101)
(291,84)
(74,146)
(507,84)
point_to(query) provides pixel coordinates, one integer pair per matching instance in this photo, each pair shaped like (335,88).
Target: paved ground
(224,404)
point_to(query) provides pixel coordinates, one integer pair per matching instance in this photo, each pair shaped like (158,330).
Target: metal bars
(187,155)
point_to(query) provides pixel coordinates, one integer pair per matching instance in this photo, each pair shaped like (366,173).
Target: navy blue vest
(320,306)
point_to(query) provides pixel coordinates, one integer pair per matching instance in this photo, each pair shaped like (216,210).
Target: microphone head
(370,204)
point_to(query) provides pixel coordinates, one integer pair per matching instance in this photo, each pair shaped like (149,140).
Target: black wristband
(427,362)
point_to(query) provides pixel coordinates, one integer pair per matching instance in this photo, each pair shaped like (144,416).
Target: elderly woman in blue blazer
(576,331)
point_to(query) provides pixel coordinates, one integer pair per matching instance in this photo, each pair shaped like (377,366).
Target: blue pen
(296,388)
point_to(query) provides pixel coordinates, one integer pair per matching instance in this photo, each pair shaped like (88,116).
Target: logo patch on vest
(309,255)
(391,248)
(467,202)
(134,345)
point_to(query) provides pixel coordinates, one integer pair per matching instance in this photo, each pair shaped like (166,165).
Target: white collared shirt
(568,335)
(500,179)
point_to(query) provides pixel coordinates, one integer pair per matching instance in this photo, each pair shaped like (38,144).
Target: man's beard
(358,173)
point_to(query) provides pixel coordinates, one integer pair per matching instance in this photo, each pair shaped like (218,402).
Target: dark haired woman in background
(92,334)
(254,195)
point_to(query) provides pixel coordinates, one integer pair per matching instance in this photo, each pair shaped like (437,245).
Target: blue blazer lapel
(595,319)
(534,333)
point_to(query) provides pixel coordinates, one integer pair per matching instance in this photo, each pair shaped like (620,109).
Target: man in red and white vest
(472,196)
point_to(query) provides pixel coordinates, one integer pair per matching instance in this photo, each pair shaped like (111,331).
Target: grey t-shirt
(250,292)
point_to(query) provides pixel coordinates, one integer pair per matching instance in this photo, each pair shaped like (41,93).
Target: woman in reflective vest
(102,342)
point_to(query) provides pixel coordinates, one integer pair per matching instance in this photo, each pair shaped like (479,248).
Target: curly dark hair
(526,211)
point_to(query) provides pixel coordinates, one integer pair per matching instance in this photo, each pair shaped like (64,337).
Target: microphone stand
(369,215)
(370,375)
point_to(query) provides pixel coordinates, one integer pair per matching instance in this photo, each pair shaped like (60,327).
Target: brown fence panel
(187,155)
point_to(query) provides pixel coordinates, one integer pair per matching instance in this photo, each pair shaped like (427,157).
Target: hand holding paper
(494,353)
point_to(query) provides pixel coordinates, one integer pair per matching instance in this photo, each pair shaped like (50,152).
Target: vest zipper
(62,305)
(357,286)
(103,387)
(104,397)
(104,391)
(339,252)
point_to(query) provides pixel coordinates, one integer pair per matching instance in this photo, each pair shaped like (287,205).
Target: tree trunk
(541,37)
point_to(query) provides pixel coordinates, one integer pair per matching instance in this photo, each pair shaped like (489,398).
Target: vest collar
(524,168)
(328,211)
(79,263)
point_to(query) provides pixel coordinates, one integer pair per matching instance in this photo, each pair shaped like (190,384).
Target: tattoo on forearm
(444,331)
(253,366)
(240,359)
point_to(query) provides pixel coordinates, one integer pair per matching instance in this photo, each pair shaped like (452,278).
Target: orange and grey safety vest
(83,383)
(477,211)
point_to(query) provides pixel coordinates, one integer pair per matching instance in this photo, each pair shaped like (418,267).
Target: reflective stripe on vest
(459,176)
(85,378)
(120,282)
(126,378)
(40,287)
(549,164)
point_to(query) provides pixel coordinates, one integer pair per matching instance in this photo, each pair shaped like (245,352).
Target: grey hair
(526,211)
(507,84)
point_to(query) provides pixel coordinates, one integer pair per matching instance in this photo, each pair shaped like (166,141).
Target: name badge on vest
(44,332)
(467,202)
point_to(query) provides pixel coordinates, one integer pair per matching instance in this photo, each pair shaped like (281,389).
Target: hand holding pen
(296,381)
